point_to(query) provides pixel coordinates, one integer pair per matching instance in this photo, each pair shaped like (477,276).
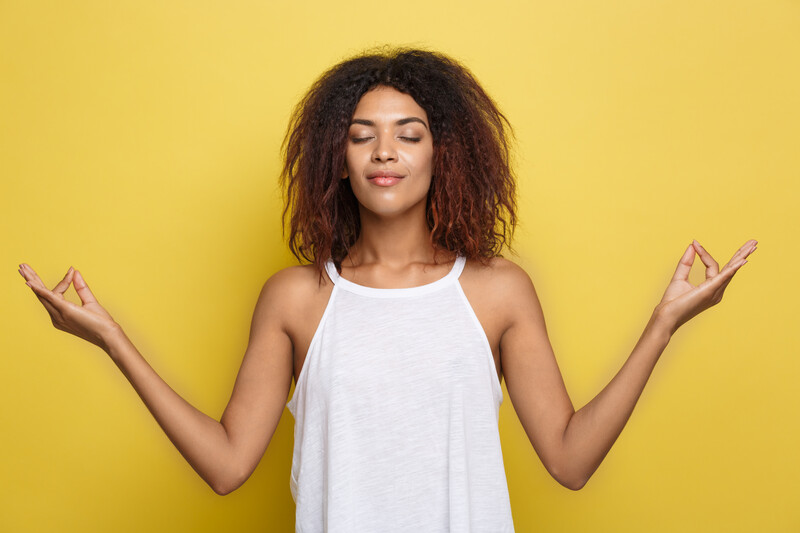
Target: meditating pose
(402,322)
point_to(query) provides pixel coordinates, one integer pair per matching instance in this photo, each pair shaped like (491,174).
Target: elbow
(573,483)
(226,485)
(570,479)
(222,489)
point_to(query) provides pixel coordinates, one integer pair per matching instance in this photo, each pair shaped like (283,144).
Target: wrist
(661,326)
(112,337)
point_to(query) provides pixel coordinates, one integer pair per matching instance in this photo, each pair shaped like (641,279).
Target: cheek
(430,160)
(357,156)
(421,161)
(350,163)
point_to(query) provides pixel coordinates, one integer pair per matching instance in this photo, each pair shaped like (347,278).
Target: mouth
(384,178)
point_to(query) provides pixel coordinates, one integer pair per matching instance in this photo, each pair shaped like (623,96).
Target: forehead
(389,104)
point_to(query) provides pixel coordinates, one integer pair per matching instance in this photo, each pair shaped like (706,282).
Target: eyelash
(359,140)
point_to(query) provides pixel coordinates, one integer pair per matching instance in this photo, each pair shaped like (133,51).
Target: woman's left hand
(682,300)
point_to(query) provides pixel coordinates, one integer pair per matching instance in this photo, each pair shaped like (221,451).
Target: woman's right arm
(224,453)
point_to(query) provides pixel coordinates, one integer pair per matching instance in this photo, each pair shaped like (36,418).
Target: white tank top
(396,415)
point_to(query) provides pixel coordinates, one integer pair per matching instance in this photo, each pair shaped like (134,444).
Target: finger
(742,253)
(55,304)
(63,285)
(44,293)
(31,276)
(83,290)
(684,265)
(728,276)
(721,280)
(52,311)
(712,267)
(722,287)
(56,307)
(24,270)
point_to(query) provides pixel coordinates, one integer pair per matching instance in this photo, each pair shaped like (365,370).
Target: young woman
(400,330)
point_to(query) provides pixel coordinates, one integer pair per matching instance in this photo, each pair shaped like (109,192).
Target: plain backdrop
(139,142)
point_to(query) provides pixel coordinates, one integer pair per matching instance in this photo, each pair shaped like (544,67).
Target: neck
(396,241)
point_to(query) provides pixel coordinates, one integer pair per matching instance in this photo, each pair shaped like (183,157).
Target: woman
(399,332)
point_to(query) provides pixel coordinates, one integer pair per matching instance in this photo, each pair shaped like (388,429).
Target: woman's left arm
(572,444)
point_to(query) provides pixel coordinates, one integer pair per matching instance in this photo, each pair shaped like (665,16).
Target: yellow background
(139,141)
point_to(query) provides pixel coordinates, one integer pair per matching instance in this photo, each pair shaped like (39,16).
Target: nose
(384,150)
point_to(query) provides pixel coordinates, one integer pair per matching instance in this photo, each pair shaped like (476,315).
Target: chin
(394,209)
(391,204)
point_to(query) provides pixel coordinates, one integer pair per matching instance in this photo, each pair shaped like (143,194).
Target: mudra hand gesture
(682,300)
(89,321)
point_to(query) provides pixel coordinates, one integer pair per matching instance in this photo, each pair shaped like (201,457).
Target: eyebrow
(401,122)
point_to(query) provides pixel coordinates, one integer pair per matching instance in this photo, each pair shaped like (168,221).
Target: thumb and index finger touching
(75,278)
(712,267)
(55,298)
(63,285)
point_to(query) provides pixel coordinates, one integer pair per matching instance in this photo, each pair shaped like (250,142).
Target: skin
(393,251)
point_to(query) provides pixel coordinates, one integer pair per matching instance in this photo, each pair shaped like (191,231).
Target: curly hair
(471,206)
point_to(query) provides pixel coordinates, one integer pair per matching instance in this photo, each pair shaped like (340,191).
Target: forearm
(593,429)
(201,440)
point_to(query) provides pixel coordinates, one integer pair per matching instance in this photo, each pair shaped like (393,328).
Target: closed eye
(359,140)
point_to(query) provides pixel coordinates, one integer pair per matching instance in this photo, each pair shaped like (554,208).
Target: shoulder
(289,292)
(295,279)
(501,286)
(499,275)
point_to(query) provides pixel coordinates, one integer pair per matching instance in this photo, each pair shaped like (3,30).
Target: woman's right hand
(89,321)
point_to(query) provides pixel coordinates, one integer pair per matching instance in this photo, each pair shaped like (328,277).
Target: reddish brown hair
(471,203)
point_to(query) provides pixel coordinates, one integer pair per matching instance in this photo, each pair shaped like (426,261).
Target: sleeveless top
(396,415)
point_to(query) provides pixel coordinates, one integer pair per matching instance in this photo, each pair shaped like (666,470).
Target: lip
(384,178)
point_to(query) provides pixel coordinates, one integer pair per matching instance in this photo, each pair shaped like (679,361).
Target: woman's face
(389,153)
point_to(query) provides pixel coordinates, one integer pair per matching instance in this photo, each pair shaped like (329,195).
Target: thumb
(684,265)
(84,293)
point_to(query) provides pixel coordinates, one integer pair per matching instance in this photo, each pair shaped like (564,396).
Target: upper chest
(411,323)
